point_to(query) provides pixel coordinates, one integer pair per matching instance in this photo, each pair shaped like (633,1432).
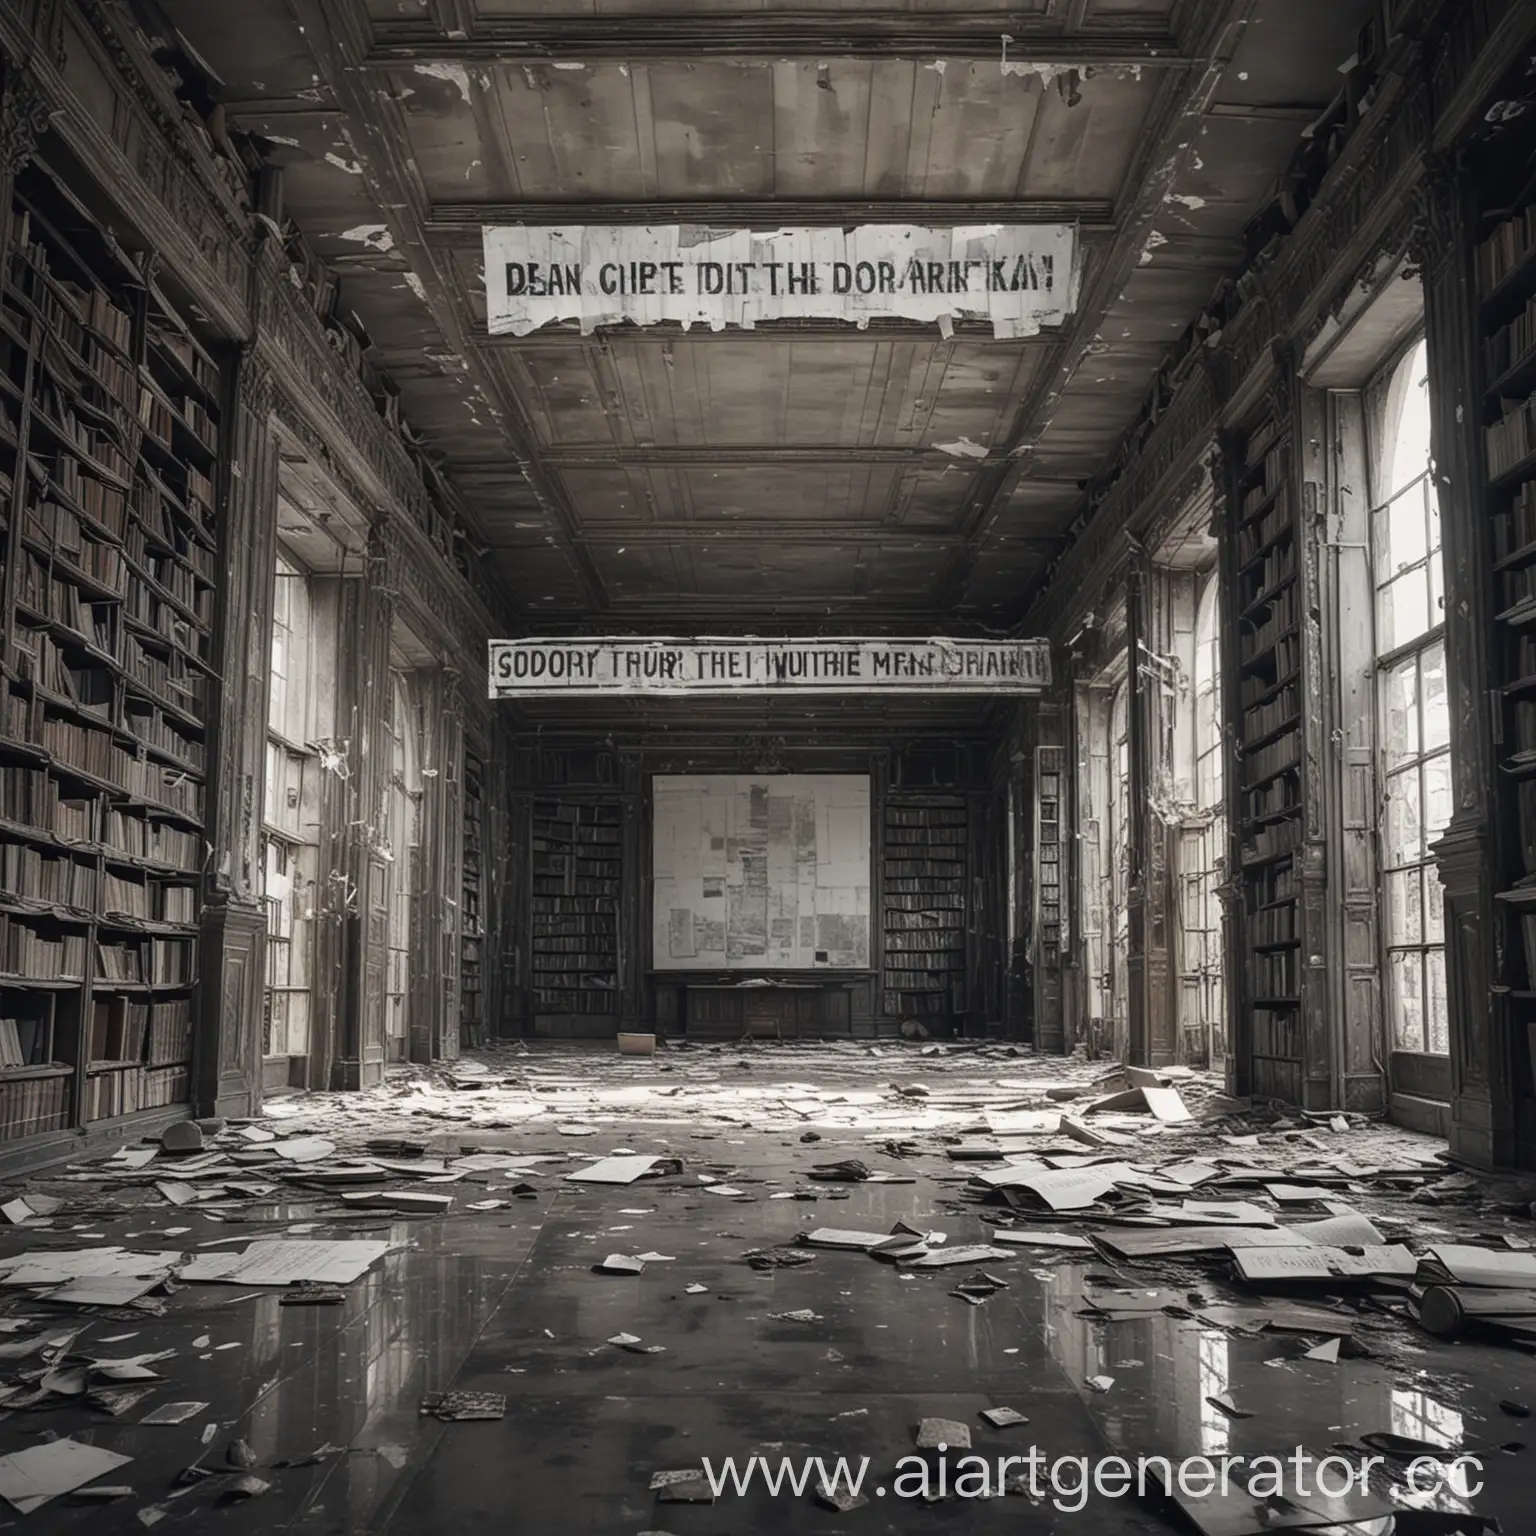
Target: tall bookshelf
(472,916)
(1266,598)
(923,882)
(109,447)
(1049,769)
(1506,280)
(576,867)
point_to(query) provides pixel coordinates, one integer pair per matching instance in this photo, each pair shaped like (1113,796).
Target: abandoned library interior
(767,765)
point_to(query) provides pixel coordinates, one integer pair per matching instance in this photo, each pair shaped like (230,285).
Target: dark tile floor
(507,1302)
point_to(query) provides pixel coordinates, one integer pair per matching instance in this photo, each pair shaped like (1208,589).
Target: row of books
(24,1038)
(161,962)
(154,1034)
(159,842)
(1267,477)
(1512,439)
(1272,839)
(1254,536)
(1274,758)
(1505,249)
(152,901)
(31,797)
(25,950)
(1273,925)
(127,1090)
(34,1104)
(1513,344)
(1281,619)
(1276,973)
(154,730)
(1260,719)
(35,876)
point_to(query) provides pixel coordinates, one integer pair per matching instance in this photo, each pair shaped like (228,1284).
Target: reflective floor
(508,1302)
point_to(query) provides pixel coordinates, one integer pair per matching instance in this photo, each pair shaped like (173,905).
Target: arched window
(1208,778)
(1414,717)
(1202,848)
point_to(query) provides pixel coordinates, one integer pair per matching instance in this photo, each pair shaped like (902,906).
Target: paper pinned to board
(30,1478)
(284,1261)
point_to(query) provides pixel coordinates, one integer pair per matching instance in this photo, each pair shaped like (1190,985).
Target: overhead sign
(1018,276)
(544,669)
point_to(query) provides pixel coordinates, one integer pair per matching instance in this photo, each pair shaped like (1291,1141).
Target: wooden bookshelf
(1506,277)
(472,897)
(1050,767)
(1266,604)
(576,869)
(109,453)
(923,881)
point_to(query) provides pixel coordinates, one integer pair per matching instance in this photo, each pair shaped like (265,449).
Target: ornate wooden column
(227,1064)
(1482,1055)
(356,886)
(1139,1035)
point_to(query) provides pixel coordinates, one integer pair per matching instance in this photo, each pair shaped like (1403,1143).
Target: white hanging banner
(1019,276)
(542,669)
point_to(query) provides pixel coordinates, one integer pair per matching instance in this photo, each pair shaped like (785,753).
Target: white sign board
(760,872)
(533,669)
(1019,276)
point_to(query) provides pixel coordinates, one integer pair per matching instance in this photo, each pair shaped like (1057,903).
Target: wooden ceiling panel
(936,498)
(1087,150)
(1038,509)
(748,128)
(789,572)
(493,9)
(715,498)
(1109,12)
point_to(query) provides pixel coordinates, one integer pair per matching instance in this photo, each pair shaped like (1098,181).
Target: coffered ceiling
(802,472)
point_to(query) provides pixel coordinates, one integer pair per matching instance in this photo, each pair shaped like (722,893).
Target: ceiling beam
(783,534)
(793,34)
(564,336)
(460,223)
(751,455)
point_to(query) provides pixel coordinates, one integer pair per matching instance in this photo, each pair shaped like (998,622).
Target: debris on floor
(1124,1196)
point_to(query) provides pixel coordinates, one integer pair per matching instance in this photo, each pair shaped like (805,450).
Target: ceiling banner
(1019,276)
(544,669)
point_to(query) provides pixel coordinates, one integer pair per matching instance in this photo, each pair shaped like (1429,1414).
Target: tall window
(1202,849)
(288,819)
(1415,758)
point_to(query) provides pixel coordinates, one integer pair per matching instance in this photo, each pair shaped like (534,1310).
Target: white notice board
(757,872)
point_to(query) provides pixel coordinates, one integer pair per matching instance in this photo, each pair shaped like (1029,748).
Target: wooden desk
(708,1005)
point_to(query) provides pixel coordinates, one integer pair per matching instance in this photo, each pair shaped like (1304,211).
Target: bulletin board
(761,872)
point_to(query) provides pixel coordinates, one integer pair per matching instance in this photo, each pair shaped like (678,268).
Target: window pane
(1408,452)
(1406,536)
(1437,708)
(1405,923)
(1404,832)
(1404,610)
(1400,695)
(1434,906)
(1436,1006)
(1438,804)
(1405,996)
(1436,591)
(1432,506)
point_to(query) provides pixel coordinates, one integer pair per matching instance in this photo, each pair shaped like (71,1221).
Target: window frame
(1406,943)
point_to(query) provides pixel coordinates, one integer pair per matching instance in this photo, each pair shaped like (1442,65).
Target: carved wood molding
(25,111)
